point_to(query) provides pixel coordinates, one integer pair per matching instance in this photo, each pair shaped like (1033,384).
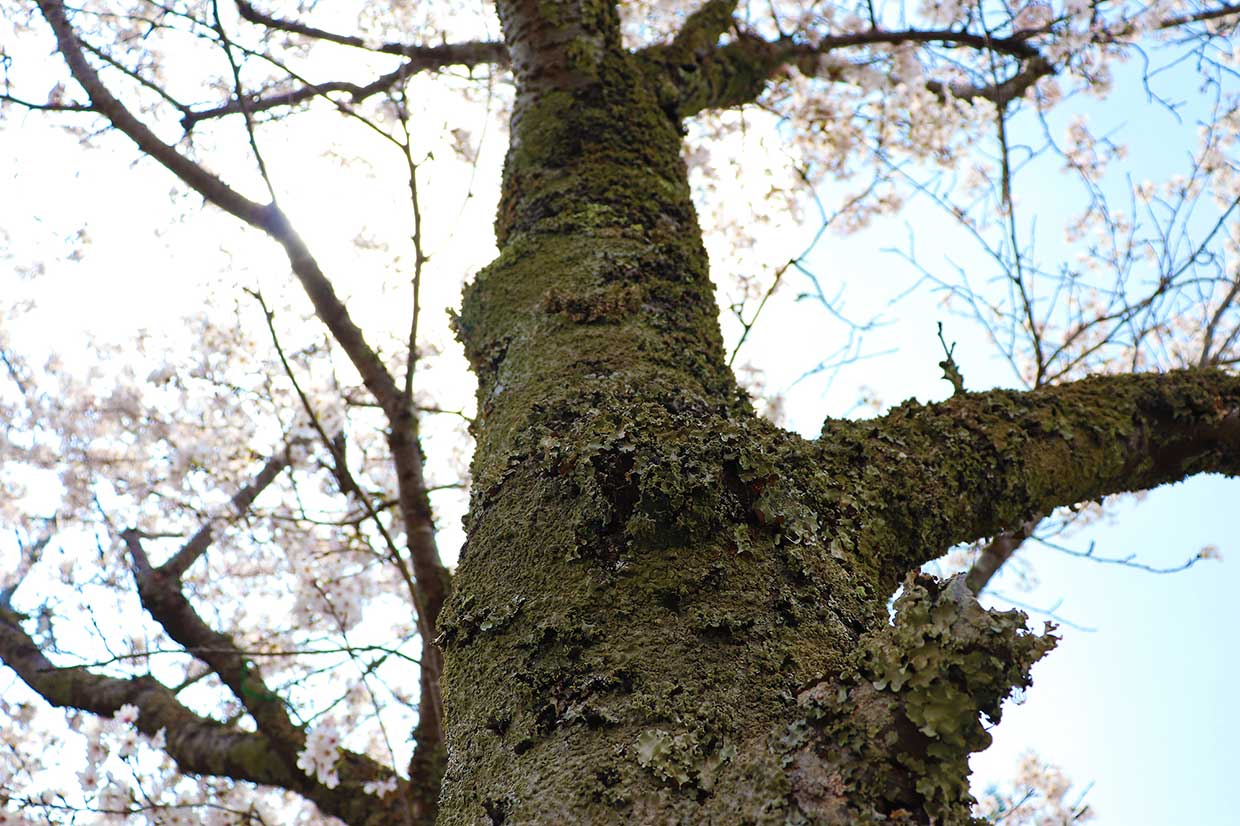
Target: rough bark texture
(667,610)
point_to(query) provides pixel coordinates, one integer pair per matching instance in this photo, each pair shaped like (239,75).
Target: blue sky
(1143,706)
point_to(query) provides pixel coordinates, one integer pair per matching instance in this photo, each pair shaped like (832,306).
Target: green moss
(583,55)
(611,302)
(676,583)
(555,12)
(602,271)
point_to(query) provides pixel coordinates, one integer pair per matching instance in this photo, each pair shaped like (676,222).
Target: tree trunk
(667,610)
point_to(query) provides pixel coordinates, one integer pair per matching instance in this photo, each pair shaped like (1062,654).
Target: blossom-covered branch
(708,74)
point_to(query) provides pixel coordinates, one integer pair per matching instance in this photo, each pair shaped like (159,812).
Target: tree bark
(665,611)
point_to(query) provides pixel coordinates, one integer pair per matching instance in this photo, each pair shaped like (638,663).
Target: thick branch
(716,77)
(433,580)
(702,29)
(200,745)
(708,76)
(983,463)
(162,597)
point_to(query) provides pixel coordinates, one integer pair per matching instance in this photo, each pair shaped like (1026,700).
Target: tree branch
(105,103)
(430,582)
(179,563)
(456,54)
(1002,92)
(1225,10)
(293,97)
(45,107)
(708,76)
(983,463)
(705,75)
(162,597)
(200,745)
(266,217)
(997,552)
(703,28)
(421,58)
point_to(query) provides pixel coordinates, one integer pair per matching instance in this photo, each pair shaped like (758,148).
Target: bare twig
(421,58)
(179,563)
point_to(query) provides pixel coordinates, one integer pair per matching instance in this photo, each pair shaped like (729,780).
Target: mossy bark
(668,610)
(649,586)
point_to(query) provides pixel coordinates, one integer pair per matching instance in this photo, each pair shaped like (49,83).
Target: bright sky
(1141,707)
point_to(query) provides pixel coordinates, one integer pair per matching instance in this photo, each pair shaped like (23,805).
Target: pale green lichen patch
(682,758)
(890,738)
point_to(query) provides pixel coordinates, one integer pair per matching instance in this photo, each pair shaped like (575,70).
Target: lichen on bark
(888,739)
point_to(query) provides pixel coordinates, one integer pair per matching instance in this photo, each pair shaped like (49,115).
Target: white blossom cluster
(1039,795)
(320,755)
